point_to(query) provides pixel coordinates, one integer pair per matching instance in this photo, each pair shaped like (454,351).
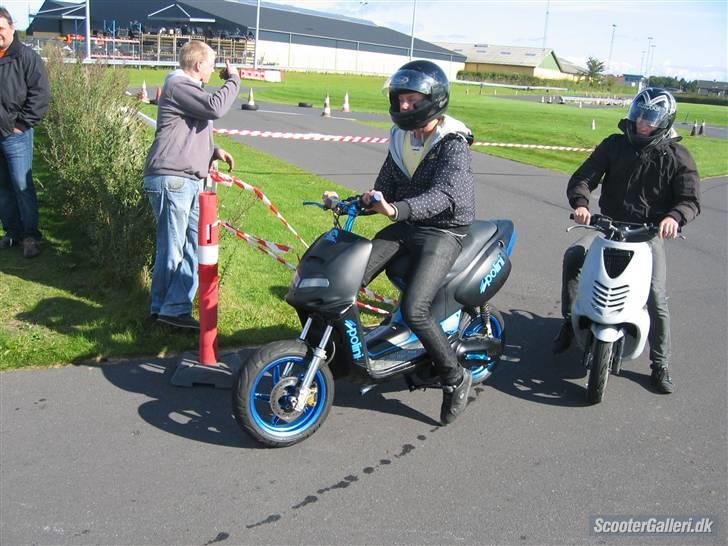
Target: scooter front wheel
(266,390)
(599,359)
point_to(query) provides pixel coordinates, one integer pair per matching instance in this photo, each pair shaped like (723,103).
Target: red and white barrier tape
(252,239)
(378,297)
(254,243)
(303,136)
(534,146)
(372,308)
(229,180)
(379,140)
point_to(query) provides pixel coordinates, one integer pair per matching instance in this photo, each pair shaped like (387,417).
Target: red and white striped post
(207,256)
(206,367)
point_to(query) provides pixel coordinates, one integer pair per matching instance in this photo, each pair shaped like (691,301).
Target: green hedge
(95,148)
(702,99)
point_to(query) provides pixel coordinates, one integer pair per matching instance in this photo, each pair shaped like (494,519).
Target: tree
(594,68)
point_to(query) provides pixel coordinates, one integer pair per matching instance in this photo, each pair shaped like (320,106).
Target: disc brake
(283,399)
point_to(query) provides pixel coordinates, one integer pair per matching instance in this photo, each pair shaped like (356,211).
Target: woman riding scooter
(426,188)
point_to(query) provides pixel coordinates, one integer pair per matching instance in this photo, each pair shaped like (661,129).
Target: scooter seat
(480,233)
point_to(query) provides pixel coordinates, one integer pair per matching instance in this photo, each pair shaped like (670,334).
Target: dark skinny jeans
(433,253)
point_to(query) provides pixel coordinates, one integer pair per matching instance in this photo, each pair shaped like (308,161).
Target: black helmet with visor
(422,77)
(655,107)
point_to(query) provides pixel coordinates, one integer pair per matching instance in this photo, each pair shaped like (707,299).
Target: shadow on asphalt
(542,377)
(202,414)
(529,371)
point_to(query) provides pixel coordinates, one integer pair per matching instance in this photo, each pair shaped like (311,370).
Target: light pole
(88,30)
(642,63)
(647,60)
(412,38)
(651,57)
(257,35)
(546,25)
(611,48)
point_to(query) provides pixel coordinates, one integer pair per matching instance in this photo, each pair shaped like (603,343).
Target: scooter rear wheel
(265,389)
(481,366)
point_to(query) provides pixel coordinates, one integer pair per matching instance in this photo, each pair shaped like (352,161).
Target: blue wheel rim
(260,408)
(480,371)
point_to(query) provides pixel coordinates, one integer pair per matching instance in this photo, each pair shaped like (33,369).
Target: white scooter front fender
(606,333)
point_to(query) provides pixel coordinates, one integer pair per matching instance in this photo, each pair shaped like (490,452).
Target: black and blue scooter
(284,391)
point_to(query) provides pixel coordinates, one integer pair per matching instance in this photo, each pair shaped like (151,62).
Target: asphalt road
(115,455)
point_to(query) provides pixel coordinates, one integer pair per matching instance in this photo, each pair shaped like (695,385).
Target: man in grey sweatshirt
(178,162)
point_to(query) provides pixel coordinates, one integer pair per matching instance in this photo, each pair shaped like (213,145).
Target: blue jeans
(659,335)
(18,201)
(175,203)
(432,251)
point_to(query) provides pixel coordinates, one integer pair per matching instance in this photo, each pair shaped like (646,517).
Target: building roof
(570,68)
(277,21)
(500,54)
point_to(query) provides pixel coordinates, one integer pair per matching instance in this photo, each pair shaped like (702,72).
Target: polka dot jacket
(441,192)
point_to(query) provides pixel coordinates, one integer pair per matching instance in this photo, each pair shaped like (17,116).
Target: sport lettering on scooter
(353,339)
(493,273)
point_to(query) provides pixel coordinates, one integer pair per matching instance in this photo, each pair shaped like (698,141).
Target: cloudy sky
(689,37)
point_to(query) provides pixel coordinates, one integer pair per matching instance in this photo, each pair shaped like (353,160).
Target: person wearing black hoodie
(645,177)
(24,97)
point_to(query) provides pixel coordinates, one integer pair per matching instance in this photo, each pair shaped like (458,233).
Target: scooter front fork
(319,356)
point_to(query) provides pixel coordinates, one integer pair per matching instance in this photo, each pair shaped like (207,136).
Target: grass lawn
(55,311)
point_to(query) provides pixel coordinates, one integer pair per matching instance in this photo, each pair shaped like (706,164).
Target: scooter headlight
(313,282)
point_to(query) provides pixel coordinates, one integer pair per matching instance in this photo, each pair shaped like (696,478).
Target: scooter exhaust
(464,347)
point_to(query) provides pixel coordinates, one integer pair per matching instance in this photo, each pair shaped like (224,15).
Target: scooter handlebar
(606,225)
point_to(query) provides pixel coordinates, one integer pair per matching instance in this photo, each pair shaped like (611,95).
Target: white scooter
(609,314)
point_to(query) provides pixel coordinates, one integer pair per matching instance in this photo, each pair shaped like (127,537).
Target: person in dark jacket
(646,177)
(24,97)
(426,188)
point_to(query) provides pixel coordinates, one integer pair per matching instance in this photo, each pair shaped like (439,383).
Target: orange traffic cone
(145,96)
(250,105)
(327,107)
(701,131)
(345,107)
(694,130)
(594,125)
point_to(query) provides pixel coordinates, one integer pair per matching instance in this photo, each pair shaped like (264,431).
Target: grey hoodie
(183,141)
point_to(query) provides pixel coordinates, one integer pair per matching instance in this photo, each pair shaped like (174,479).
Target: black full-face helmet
(423,77)
(657,108)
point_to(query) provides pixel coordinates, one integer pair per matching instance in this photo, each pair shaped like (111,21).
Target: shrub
(717,100)
(95,149)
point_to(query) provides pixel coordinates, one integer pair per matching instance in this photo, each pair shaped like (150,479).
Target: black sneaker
(661,380)
(455,399)
(562,341)
(7,241)
(180,321)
